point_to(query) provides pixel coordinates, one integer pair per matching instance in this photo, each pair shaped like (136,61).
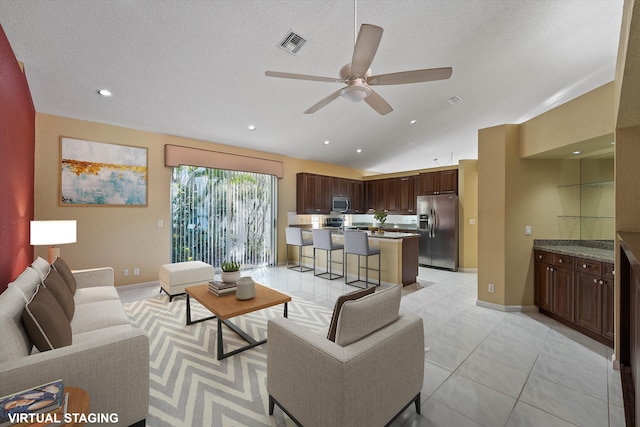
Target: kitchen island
(398,256)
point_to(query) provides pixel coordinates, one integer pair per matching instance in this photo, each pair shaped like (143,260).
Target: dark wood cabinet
(439,182)
(313,194)
(588,301)
(407,194)
(577,292)
(544,280)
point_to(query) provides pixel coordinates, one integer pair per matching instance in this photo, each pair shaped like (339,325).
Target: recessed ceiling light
(104,92)
(413,122)
(327,142)
(251,127)
(577,152)
(359,150)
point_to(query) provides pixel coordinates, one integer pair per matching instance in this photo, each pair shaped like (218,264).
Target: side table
(78,403)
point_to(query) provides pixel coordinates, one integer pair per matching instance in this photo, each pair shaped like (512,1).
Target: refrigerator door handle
(434,227)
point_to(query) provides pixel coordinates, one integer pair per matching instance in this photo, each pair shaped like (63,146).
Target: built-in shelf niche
(588,207)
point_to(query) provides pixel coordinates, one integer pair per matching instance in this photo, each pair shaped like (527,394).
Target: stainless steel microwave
(340,203)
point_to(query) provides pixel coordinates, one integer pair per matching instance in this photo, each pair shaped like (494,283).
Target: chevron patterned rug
(188,386)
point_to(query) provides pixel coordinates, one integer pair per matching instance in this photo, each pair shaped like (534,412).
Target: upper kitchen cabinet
(313,194)
(407,192)
(440,182)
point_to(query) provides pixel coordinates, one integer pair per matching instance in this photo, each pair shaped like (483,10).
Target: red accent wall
(17,151)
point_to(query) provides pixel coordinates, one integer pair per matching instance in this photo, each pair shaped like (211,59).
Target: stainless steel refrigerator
(438,229)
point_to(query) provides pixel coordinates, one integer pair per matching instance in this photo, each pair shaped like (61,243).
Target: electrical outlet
(136,271)
(527,230)
(160,223)
(492,287)
(125,272)
(375,242)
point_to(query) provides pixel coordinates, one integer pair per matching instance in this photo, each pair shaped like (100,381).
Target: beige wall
(129,237)
(468,196)
(584,118)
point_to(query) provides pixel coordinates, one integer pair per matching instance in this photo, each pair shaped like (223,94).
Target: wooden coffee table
(227,306)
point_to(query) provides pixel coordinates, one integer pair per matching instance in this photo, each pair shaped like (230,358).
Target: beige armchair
(367,377)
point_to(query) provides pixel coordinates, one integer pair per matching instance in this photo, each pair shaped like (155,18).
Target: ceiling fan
(357,75)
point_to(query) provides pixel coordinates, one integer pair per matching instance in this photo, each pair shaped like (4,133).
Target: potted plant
(381,217)
(230,271)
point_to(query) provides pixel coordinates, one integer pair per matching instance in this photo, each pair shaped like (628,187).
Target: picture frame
(102,174)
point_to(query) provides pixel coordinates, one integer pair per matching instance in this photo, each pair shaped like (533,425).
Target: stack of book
(221,288)
(43,405)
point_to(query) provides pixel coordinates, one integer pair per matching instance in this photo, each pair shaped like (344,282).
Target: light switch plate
(527,230)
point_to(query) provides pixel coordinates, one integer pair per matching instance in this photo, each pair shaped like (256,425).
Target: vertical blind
(222,215)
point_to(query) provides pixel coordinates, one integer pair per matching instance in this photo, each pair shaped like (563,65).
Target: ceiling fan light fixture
(355,93)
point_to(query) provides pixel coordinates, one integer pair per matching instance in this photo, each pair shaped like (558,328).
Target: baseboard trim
(508,308)
(138,285)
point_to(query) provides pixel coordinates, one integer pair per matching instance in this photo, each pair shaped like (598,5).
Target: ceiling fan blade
(415,76)
(378,103)
(365,49)
(302,77)
(323,102)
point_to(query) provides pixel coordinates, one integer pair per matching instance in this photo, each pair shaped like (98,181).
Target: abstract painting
(97,174)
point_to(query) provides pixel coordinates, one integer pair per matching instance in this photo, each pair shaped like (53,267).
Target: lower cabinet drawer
(589,266)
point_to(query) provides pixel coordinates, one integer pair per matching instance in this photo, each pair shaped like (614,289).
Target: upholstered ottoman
(178,275)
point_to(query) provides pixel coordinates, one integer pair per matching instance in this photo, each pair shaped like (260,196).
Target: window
(220,215)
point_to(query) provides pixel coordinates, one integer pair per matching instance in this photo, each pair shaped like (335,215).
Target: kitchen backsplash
(349,219)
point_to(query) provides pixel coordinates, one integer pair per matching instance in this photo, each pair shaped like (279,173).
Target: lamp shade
(53,232)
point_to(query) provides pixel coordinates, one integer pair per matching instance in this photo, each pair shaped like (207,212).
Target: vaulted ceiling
(196,69)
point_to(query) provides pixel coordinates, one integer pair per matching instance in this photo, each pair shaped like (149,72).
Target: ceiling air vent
(292,43)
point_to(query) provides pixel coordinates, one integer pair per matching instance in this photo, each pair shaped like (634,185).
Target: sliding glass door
(221,215)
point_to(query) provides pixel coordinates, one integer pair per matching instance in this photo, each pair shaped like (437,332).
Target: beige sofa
(368,376)
(107,357)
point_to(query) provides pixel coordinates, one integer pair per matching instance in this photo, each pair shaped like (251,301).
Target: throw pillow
(366,315)
(58,287)
(45,322)
(333,326)
(64,270)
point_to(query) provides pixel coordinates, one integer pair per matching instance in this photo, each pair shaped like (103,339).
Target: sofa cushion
(27,283)
(45,321)
(98,315)
(41,266)
(14,338)
(64,270)
(95,294)
(359,318)
(58,287)
(333,326)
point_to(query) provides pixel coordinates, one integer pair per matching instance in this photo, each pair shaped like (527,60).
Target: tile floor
(483,367)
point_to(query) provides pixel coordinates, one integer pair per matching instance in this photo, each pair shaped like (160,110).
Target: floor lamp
(52,233)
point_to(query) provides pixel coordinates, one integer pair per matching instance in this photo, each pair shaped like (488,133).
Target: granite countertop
(597,250)
(387,234)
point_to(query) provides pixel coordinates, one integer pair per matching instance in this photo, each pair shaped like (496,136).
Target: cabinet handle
(595,280)
(550,268)
(539,256)
(560,260)
(585,266)
(601,282)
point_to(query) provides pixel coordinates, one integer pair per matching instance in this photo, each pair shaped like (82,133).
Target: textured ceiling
(196,69)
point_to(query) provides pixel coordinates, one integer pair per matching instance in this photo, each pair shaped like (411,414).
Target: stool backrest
(294,236)
(356,242)
(322,239)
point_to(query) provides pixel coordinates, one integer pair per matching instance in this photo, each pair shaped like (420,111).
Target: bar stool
(357,243)
(294,238)
(322,241)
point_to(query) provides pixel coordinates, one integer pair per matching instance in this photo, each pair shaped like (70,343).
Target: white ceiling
(196,69)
